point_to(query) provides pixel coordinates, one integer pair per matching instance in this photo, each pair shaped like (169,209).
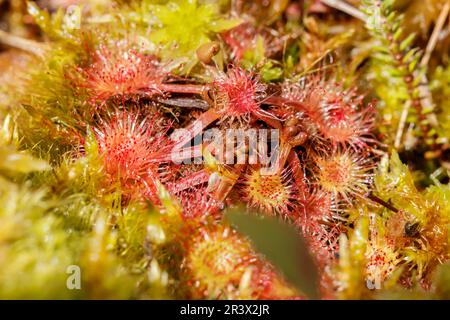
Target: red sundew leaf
(237,94)
(120,71)
(132,148)
(283,246)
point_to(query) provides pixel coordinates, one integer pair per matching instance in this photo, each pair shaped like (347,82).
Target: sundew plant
(199,149)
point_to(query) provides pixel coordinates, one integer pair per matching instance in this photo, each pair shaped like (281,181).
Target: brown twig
(346,8)
(435,35)
(23,44)
(375,199)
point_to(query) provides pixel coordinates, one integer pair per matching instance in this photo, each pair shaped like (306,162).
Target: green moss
(201,22)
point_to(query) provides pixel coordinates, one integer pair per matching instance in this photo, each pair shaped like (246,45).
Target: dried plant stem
(424,89)
(347,8)
(23,44)
(435,35)
(401,125)
(375,199)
